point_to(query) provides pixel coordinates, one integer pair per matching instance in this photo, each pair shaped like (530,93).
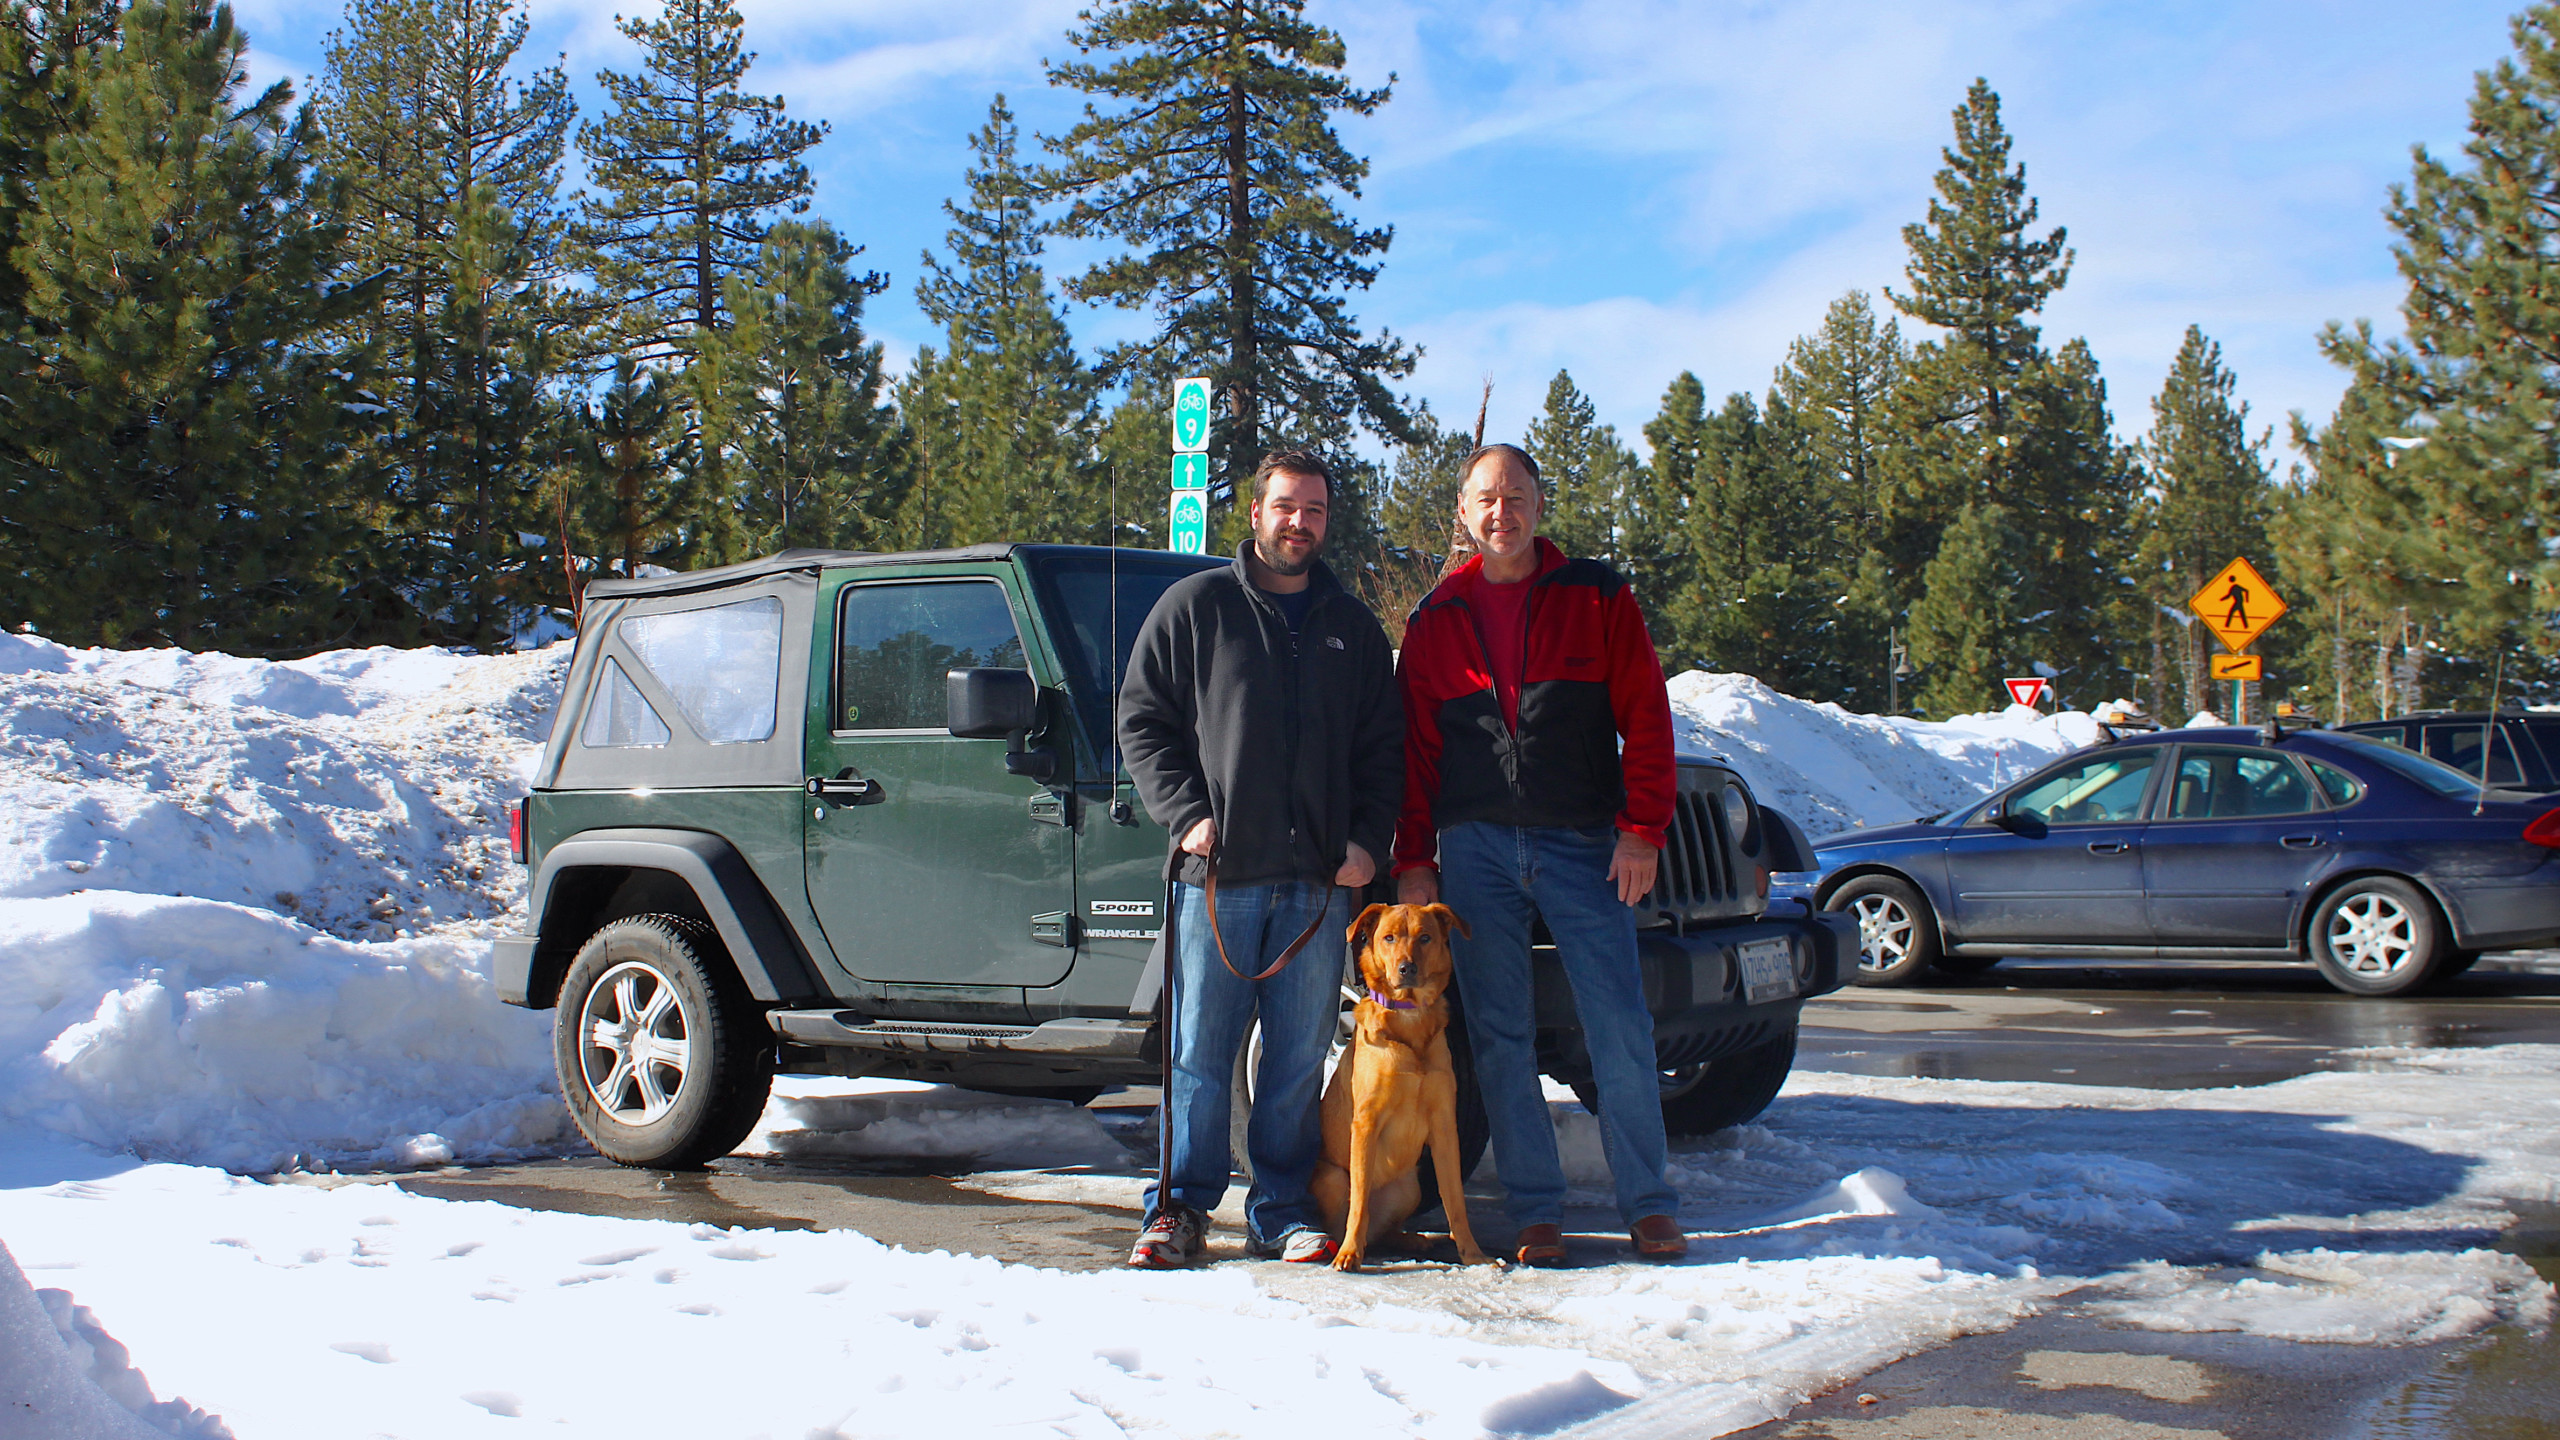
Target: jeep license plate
(1768,970)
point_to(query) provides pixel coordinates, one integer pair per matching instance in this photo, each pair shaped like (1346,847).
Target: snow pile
(362,790)
(1830,770)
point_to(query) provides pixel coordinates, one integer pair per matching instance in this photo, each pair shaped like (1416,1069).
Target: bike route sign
(1187,523)
(1191,415)
(1190,472)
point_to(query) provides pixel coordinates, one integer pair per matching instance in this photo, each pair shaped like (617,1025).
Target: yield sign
(2030,691)
(2237,605)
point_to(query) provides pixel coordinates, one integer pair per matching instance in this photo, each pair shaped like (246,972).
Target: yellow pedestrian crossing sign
(2237,605)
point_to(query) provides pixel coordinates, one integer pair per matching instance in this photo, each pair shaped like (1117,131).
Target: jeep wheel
(1712,1095)
(657,1046)
(1897,936)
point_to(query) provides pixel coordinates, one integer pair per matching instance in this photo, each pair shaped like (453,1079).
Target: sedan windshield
(2437,776)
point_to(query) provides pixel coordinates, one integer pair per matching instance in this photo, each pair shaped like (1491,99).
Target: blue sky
(1630,189)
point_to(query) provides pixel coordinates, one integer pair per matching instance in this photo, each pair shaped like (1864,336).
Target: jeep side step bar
(1102,1039)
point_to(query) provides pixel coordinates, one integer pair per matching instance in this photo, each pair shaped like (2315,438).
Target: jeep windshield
(1096,604)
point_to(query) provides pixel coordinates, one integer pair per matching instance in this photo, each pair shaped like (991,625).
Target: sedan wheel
(1897,936)
(2377,936)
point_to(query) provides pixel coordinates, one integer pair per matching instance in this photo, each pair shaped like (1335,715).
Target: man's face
(1499,506)
(1288,522)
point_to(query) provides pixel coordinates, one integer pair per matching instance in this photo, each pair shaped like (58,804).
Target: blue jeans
(1213,1010)
(1496,877)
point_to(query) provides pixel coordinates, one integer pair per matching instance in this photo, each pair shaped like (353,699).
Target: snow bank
(1831,770)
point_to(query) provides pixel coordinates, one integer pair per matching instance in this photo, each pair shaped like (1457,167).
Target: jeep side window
(620,717)
(895,640)
(723,665)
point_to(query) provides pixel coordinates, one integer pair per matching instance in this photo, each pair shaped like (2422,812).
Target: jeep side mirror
(990,704)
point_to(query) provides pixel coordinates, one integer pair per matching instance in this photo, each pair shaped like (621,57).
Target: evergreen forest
(282,372)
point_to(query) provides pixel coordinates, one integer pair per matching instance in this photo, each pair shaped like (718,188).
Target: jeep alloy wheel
(658,1046)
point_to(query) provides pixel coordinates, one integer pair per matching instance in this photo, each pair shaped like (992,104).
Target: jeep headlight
(1737,811)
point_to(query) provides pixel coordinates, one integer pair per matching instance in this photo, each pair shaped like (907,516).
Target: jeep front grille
(1704,874)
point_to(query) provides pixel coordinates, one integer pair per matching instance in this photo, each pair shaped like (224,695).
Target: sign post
(1187,511)
(2238,605)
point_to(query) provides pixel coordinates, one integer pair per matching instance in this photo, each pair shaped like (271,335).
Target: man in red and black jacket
(1522,673)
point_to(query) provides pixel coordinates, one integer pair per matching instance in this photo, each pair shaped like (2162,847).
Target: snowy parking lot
(244,912)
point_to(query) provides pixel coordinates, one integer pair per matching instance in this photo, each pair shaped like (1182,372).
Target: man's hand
(1202,839)
(1418,886)
(1632,867)
(1357,868)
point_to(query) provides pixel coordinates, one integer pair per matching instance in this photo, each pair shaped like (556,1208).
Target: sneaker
(1177,1236)
(1299,1245)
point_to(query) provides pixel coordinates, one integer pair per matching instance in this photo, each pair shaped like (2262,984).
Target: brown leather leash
(1218,935)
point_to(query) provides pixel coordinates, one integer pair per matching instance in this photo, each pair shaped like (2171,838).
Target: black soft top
(787,561)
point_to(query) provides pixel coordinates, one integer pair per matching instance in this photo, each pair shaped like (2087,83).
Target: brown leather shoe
(1541,1246)
(1659,1237)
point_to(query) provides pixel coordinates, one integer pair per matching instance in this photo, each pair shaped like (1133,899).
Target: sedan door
(2064,865)
(2241,837)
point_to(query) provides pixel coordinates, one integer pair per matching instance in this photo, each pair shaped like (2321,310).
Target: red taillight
(516,832)
(2545,830)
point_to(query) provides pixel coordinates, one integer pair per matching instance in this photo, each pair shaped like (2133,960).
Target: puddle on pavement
(2505,1386)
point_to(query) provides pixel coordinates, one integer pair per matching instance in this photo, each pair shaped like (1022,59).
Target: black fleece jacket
(1295,748)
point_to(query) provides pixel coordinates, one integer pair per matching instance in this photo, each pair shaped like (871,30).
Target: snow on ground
(244,912)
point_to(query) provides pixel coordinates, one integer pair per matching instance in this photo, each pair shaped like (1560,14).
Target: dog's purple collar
(1394,1004)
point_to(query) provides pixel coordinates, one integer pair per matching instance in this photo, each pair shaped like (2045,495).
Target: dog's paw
(1476,1257)
(1346,1259)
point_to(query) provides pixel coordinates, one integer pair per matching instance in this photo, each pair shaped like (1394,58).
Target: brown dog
(1394,1091)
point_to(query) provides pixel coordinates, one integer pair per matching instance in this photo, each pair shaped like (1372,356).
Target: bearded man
(1260,723)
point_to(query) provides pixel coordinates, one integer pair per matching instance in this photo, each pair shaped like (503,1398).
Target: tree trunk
(1244,442)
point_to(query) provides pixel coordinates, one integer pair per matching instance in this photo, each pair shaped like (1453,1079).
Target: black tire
(1897,933)
(2456,962)
(669,973)
(1475,1132)
(1966,964)
(2377,935)
(1713,1095)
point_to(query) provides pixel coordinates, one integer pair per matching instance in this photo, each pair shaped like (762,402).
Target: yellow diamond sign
(2237,605)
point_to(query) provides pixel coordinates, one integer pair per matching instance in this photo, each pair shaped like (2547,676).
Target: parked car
(2383,868)
(861,814)
(2523,748)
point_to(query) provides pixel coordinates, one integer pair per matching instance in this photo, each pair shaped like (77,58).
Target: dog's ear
(1449,918)
(1363,927)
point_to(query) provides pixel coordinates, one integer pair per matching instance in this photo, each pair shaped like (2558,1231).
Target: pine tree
(1967,617)
(451,169)
(631,461)
(1986,417)
(174,467)
(2473,483)
(1652,519)
(815,453)
(688,171)
(1757,599)
(2207,500)
(41,46)
(1587,470)
(1008,409)
(1837,384)
(1220,175)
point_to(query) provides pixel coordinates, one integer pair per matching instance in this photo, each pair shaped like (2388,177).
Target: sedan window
(2100,789)
(2234,784)
(2458,745)
(2344,789)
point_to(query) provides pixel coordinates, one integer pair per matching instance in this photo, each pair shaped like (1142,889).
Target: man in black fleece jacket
(1261,724)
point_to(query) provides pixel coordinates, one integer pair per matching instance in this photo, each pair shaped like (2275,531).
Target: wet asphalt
(2183,1026)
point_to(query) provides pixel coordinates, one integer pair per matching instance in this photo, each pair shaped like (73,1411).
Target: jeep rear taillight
(2545,830)
(516,836)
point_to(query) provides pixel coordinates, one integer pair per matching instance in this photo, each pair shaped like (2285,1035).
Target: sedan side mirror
(2018,823)
(990,704)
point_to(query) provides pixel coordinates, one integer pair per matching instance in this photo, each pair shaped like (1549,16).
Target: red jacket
(1589,678)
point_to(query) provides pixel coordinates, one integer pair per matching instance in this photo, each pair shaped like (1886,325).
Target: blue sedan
(2382,867)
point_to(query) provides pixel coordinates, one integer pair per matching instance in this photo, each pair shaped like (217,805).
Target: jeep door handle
(846,790)
(2302,842)
(2109,847)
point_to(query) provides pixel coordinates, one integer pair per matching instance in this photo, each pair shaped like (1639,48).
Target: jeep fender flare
(761,945)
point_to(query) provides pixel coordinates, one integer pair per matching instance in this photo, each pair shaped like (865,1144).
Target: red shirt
(1503,611)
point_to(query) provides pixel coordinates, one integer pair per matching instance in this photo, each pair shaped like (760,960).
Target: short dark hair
(1294,462)
(1498,448)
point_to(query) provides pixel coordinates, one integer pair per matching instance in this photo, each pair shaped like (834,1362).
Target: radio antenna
(1111,656)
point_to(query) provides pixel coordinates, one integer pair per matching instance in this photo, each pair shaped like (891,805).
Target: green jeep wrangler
(856,814)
